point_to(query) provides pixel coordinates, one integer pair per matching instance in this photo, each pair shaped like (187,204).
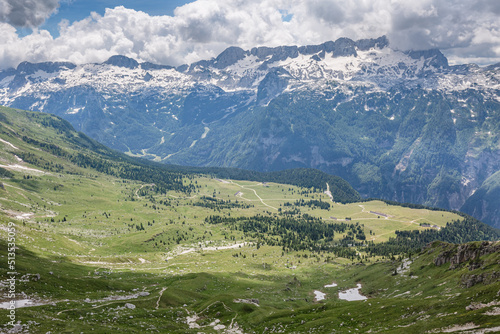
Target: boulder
(130,306)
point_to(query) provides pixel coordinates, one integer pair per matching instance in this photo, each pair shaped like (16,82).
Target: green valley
(108,243)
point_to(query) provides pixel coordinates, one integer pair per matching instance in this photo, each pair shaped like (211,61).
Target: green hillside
(107,243)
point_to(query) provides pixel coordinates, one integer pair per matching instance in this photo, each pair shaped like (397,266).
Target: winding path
(255,192)
(144,185)
(159,297)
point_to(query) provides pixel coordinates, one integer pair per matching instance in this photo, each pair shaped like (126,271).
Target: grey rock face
(272,85)
(49,67)
(122,61)
(466,252)
(434,56)
(366,44)
(229,57)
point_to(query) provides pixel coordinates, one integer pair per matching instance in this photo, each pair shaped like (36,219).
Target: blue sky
(178,32)
(76,10)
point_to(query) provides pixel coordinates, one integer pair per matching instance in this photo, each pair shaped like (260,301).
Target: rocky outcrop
(467,252)
(470,256)
(272,85)
(367,44)
(150,66)
(253,301)
(469,281)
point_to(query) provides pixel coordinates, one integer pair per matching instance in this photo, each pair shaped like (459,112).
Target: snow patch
(331,285)
(244,66)
(73,111)
(352,294)
(23,303)
(191,321)
(204,135)
(318,295)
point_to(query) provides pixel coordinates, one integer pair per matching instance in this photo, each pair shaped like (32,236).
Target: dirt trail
(23,168)
(6,142)
(255,192)
(182,251)
(144,185)
(159,297)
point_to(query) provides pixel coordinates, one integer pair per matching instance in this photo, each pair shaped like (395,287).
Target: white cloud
(26,13)
(199,30)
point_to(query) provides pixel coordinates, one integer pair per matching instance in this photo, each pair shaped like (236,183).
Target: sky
(181,32)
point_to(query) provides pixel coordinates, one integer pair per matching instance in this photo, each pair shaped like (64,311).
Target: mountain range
(398,125)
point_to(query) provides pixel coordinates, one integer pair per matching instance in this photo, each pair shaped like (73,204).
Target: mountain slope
(403,126)
(56,137)
(485,202)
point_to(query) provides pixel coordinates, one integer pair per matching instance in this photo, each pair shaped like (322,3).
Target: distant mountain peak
(437,59)
(229,57)
(366,44)
(29,68)
(122,61)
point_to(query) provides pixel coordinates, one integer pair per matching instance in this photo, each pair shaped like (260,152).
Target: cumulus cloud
(463,30)
(26,13)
